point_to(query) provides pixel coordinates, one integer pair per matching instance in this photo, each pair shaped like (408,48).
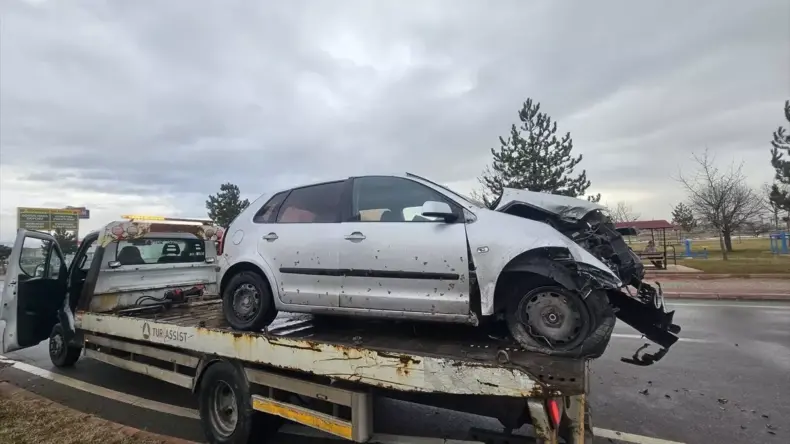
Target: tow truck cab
(42,292)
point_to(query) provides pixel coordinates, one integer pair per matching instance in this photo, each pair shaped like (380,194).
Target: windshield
(467,199)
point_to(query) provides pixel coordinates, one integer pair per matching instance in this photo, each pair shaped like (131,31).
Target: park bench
(656,258)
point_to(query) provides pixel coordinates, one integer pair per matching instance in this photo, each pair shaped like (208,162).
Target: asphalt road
(727,381)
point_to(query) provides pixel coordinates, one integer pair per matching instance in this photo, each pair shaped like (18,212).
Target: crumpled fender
(495,239)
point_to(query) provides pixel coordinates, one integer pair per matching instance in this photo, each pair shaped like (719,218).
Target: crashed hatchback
(553,269)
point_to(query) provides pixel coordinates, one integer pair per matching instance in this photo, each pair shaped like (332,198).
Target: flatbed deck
(405,356)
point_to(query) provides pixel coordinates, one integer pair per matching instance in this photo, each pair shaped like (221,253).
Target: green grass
(749,256)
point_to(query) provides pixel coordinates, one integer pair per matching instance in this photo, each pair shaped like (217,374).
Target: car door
(301,244)
(393,258)
(34,298)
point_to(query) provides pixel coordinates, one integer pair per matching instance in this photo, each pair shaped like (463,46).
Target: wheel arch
(208,361)
(240,267)
(545,265)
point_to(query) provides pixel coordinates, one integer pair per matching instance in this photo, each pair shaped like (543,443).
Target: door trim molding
(384,274)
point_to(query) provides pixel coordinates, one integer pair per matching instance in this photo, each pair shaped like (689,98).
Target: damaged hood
(563,206)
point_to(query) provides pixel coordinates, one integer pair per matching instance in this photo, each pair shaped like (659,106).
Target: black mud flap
(653,322)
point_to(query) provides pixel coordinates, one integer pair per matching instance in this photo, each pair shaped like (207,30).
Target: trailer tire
(247,302)
(60,352)
(226,413)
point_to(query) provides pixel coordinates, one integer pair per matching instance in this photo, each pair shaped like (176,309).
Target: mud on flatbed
(405,356)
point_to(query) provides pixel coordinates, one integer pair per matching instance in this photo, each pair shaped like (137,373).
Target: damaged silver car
(553,269)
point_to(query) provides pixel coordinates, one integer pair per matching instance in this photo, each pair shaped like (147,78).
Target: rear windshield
(160,251)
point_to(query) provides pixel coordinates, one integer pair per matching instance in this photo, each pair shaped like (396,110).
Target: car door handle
(271,237)
(355,236)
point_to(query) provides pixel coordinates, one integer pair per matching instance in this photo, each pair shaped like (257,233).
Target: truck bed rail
(408,357)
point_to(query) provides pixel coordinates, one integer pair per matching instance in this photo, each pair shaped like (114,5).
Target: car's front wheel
(247,302)
(556,321)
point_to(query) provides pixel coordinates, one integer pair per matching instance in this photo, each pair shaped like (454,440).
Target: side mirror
(114,264)
(440,210)
(39,271)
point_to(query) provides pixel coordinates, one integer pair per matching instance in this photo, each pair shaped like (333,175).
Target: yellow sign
(48,219)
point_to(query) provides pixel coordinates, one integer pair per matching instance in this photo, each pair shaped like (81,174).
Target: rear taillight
(220,241)
(554,412)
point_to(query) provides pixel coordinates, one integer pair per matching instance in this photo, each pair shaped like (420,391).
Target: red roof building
(658,224)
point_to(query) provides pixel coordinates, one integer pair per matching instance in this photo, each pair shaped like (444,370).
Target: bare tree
(722,198)
(622,212)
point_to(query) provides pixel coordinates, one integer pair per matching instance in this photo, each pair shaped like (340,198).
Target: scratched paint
(350,363)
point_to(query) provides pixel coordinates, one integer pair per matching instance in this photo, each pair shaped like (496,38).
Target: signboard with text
(48,219)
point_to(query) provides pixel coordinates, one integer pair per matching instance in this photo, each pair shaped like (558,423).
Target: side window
(313,204)
(39,259)
(160,251)
(268,211)
(55,262)
(86,259)
(392,199)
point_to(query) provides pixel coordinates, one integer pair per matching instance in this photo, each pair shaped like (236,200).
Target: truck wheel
(226,412)
(558,322)
(247,302)
(60,352)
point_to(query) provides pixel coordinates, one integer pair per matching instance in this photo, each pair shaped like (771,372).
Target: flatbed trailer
(323,373)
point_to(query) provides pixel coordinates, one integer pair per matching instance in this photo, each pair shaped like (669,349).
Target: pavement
(725,381)
(724,288)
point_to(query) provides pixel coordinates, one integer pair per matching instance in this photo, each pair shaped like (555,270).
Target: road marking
(290,429)
(702,304)
(299,430)
(630,437)
(632,336)
(102,391)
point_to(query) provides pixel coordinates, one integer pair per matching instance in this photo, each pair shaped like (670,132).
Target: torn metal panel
(492,252)
(564,206)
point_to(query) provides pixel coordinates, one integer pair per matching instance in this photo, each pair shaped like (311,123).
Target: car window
(160,251)
(268,212)
(313,204)
(392,199)
(34,260)
(55,262)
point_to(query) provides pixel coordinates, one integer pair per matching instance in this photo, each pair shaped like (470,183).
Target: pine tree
(780,160)
(683,216)
(224,206)
(66,240)
(534,159)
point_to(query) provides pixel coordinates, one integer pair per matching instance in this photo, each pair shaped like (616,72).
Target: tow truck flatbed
(452,359)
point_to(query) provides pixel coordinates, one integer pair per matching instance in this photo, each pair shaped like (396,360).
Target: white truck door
(34,298)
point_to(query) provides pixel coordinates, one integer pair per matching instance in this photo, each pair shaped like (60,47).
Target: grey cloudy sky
(147,106)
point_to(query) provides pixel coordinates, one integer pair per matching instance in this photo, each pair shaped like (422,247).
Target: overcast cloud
(147,106)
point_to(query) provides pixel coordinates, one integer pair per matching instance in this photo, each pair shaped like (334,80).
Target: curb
(706,276)
(8,390)
(728,296)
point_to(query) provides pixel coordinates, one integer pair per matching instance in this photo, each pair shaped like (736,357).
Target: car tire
(247,302)
(226,412)
(60,352)
(567,325)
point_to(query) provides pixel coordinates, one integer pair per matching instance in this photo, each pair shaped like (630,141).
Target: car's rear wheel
(556,321)
(247,302)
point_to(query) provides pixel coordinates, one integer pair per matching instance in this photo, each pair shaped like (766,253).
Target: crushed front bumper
(647,314)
